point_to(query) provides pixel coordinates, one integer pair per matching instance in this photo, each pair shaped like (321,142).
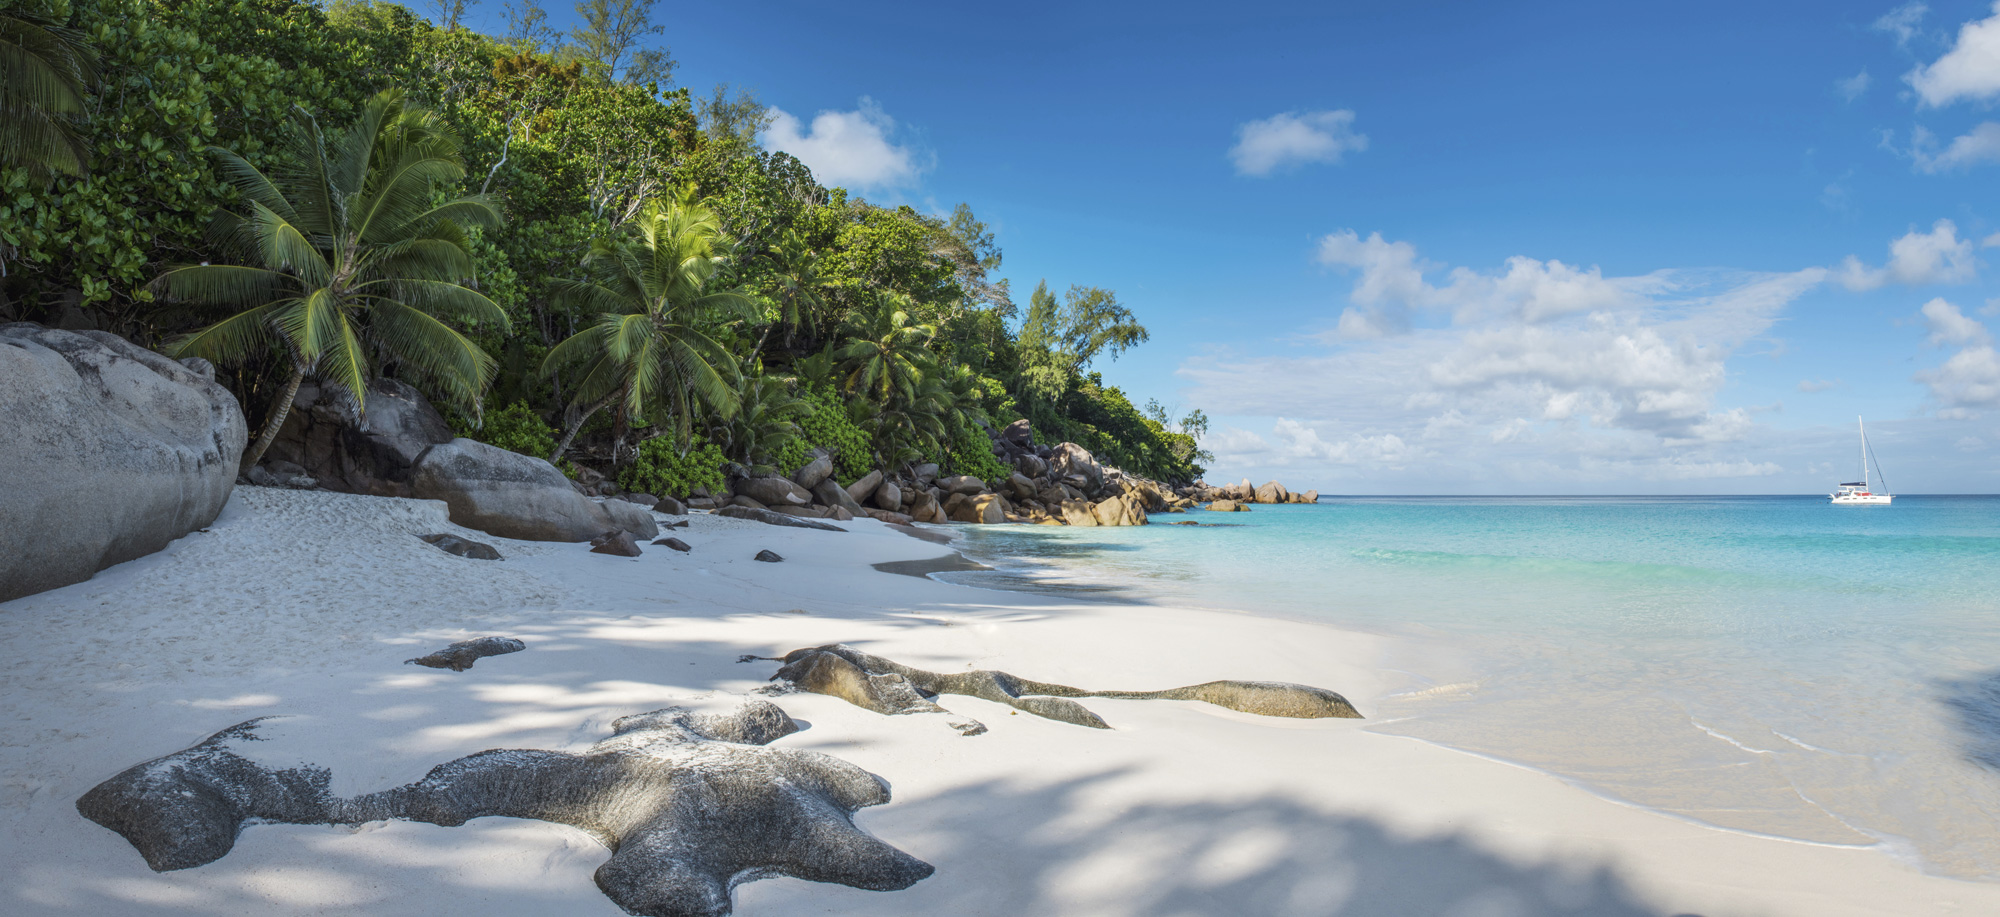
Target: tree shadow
(1974,703)
(1065,848)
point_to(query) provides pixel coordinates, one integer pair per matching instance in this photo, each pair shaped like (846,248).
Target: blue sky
(1460,248)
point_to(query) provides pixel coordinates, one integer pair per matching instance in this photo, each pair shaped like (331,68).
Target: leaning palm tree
(44,69)
(347,261)
(651,345)
(888,356)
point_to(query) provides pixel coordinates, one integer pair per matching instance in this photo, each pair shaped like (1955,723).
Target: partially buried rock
(885,686)
(461,655)
(770,518)
(675,543)
(768,556)
(670,506)
(618,543)
(452,544)
(691,805)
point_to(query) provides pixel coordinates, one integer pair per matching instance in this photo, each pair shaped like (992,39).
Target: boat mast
(1864,451)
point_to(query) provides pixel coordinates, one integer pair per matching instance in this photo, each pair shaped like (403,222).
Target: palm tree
(888,355)
(909,425)
(651,345)
(798,291)
(348,260)
(44,67)
(765,424)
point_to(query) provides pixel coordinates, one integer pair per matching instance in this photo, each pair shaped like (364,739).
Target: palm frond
(234,339)
(433,348)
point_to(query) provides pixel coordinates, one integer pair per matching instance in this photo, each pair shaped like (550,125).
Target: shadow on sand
(1070,850)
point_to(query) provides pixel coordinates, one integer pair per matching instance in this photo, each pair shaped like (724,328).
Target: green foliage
(828,427)
(173,79)
(665,471)
(894,324)
(971,452)
(764,433)
(515,428)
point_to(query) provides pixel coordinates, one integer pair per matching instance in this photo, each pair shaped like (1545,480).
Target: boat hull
(1861,499)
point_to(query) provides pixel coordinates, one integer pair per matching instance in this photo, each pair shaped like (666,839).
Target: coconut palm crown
(651,349)
(348,260)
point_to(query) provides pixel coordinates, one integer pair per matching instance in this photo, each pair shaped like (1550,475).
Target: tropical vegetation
(570,254)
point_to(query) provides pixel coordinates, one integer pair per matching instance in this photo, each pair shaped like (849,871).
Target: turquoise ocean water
(1772,665)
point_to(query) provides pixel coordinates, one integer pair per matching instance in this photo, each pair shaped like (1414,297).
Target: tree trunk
(577,424)
(279,412)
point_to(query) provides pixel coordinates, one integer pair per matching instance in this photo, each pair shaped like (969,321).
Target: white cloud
(1810,386)
(1525,372)
(1851,88)
(1938,256)
(1950,326)
(1295,138)
(1970,378)
(1392,284)
(1234,441)
(1981,144)
(1970,70)
(847,148)
(1298,441)
(1901,22)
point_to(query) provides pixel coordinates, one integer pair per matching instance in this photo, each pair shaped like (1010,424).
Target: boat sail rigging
(1858,493)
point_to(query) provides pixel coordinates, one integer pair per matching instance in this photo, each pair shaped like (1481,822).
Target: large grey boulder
(772,490)
(889,496)
(830,493)
(863,489)
(631,517)
(1075,466)
(108,452)
(1020,433)
(372,452)
(507,494)
(813,472)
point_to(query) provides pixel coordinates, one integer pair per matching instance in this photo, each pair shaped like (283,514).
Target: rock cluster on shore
(1048,485)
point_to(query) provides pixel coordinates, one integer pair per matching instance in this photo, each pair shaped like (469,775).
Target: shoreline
(306,603)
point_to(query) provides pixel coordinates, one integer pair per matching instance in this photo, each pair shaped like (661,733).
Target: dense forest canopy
(642,286)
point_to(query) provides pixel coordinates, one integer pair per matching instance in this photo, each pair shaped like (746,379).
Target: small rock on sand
(674,543)
(768,556)
(463,547)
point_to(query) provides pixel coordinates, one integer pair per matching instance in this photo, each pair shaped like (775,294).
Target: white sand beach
(307,603)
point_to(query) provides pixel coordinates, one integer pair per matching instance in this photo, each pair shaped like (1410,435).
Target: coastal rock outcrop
(110,452)
(507,494)
(691,805)
(461,655)
(373,451)
(889,687)
(616,543)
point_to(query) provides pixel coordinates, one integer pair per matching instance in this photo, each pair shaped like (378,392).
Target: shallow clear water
(1772,665)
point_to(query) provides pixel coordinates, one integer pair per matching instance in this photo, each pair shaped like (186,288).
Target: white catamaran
(1856,493)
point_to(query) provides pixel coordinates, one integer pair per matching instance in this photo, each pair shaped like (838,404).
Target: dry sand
(308,603)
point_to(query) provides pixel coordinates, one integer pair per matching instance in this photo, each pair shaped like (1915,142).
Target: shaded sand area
(308,604)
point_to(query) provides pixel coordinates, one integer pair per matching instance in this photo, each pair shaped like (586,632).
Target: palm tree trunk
(279,412)
(577,424)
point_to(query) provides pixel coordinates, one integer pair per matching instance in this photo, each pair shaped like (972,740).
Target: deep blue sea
(1773,665)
